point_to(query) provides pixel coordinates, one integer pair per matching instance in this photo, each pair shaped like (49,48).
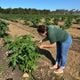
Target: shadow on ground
(47,54)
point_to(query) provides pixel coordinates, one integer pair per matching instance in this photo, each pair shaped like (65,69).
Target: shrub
(78,20)
(35,22)
(55,21)
(67,23)
(3,28)
(23,54)
(47,22)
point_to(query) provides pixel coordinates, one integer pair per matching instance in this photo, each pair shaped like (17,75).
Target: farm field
(39,40)
(72,71)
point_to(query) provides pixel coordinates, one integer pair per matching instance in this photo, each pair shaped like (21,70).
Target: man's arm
(47,45)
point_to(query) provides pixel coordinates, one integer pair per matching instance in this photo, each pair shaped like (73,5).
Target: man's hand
(41,46)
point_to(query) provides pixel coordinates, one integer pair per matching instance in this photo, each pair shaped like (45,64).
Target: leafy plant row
(23,53)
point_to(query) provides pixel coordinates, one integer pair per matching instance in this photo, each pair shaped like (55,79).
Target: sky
(41,4)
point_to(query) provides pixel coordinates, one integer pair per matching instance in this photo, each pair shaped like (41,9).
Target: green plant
(35,21)
(3,28)
(28,23)
(55,21)
(23,54)
(48,21)
(78,20)
(67,23)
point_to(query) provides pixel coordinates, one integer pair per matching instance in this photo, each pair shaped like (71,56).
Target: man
(63,42)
